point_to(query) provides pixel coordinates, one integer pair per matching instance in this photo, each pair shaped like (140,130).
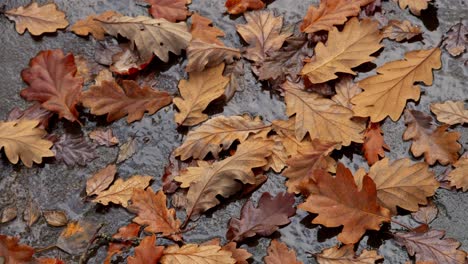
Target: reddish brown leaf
(52,81)
(279,253)
(34,112)
(125,232)
(171,10)
(236,7)
(12,252)
(203,30)
(374,144)
(147,252)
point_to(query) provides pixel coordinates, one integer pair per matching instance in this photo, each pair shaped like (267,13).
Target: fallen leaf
(266,218)
(8,214)
(345,90)
(73,150)
(344,50)
(32,213)
(121,191)
(286,132)
(346,255)
(320,117)
(22,140)
(201,55)
(191,253)
(279,253)
(49,261)
(157,36)
(34,112)
(374,145)
(37,19)
(459,176)
(197,92)
(218,134)
(75,238)
(400,30)
(152,212)
(127,150)
(435,143)
(128,62)
(171,10)
(104,75)
(100,180)
(402,184)
(339,202)
(236,7)
(386,93)
(456,39)
(147,252)
(207,181)
(416,6)
(13,252)
(55,218)
(52,82)
(202,29)
(129,231)
(91,25)
(104,137)
(426,214)
(240,255)
(431,247)
(450,112)
(129,99)
(277,160)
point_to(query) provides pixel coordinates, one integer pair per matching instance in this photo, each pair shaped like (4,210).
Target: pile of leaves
(311,66)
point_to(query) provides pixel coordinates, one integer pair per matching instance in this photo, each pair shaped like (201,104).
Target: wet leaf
(127,150)
(345,90)
(456,39)
(400,30)
(104,137)
(55,218)
(386,93)
(73,150)
(197,92)
(75,238)
(119,101)
(52,82)
(147,252)
(207,181)
(32,213)
(100,180)
(202,29)
(339,202)
(126,232)
(450,112)
(431,247)
(13,252)
(152,212)
(34,112)
(8,214)
(435,143)
(459,176)
(191,253)
(270,213)
(236,7)
(374,145)
(37,19)
(416,6)
(279,253)
(91,25)
(22,140)
(403,184)
(344,50)
(171,10)
(218,134)
(346,255)
(121,191)
(426,214)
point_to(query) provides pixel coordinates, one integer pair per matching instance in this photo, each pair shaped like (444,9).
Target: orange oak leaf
(203,30)
(374,145)
(152,212)
(52,81)
(171,10)
(13,252)
(416,6)
(236,7)
(129,99)
(346,255)
(147,252)
(279,253)
(126,232)
(339,202)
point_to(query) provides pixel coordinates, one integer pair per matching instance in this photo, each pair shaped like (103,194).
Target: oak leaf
(286,132)
(197,92)
(171,10)
(152,212)
(400,30)
(431,247)
(456,39)
(266,218)
(218,134)
(23,140)
(386,93)
(37,19)
(34,112)
(426,214)
(74,239)
(346,255)
(100,180)
(374,145)
(104,137)
(121,191)
(459,176)
(126,232)
(339,202)
(277,160)
(201,55)
(239,254)
(344,50)
(128,61)
(147,252)
(320,117)
(157,36)
(279,253)
(209,180)
(203,30)
(236,7)
(90,25)
(345,90)
(402,184)
(13,252)
(129,99)
(450,112)
(52,81)
(435,143)
(416,6)
(73,150)
(191,253)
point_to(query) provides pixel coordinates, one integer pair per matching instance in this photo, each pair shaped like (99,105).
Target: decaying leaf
(459,176)
(75,238)
(431,247)
(8,214)
(34,112)
(344,50)
(127,150)
(55,218)
(147,251)
(450,112)
(235,7)
(22,140)
(197,92)
(171,10)
(400,30)
(52,81)
(402,184)
(435,143)
(386,94)
(279,253)
(191,253)
(100,180)
(345,90)
(374,145)
(104,137)
(32,213)
(37,19)
(126,232)
(416,6)
(91,25)
(129,99)
(152,212)
(270,213)
(209,180)
(121,191)
(218,134)
(346,255)
(13,252)
(73,150)
(339,202)
(456,39)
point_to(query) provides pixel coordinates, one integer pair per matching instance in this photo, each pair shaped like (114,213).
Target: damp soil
(55,186)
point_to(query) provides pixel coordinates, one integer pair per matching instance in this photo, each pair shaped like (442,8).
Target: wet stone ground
(55,186)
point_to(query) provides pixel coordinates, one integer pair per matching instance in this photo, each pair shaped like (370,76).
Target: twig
(87,253)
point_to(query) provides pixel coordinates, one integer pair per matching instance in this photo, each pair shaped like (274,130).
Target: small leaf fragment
(55,218)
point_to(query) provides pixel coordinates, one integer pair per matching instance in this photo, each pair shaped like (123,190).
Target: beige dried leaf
(32,213)
(121,191)
(459,176)
(201,55)
(91,25)
(416,6)
(100,180)
(346,255)
(345,90)
(191,253)
(450,112)
(400,30)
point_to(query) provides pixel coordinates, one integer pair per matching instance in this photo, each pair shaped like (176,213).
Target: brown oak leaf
(456,39)
(239,254)
(279,253)
(13,252)
(345,90)
(416,6)
(200,254)
(203,30)
(459,176)
(101,180)
(374,145)
(450,112)
(121,191)
(286,132)
(90,25)
(171,10)
(126,232)
(346,255)
(400,30)
(201,55)
(236,7)
(104,137)
(147,252)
